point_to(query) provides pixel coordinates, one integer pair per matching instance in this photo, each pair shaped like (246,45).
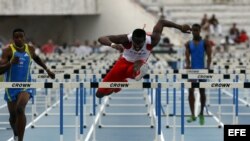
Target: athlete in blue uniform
(196,49)
(15,63)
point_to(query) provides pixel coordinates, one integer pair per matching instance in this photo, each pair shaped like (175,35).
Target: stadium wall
(116,17)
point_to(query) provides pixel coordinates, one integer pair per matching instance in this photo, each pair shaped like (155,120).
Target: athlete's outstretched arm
(39,61)
(114,41)
(117,39)
(158,28)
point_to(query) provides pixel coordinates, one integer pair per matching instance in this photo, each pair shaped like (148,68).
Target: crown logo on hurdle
(223,85)
(21,85)
(119,85)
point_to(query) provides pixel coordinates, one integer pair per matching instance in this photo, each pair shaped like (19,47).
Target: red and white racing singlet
(132,55)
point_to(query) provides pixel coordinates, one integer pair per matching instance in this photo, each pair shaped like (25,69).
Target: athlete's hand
(15,60)
(185,28)
(118,47)
(50,73)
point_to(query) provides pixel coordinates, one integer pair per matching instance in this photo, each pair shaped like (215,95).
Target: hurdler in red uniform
(136,49)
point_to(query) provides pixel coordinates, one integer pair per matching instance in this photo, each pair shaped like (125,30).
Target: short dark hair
(138,33)
(17,30)
(196,25)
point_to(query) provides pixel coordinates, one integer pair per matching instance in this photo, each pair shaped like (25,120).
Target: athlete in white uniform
(135,48)
(131,55)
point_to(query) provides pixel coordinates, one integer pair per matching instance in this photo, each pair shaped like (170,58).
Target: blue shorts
(12,93)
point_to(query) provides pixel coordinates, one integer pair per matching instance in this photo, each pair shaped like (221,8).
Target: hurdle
(67,67)
(234,77)
(185,77)
(214,71)
(147,104)
(141,99)
(48,108)
(131,85)
(78,78)
(54,86)
(210,85)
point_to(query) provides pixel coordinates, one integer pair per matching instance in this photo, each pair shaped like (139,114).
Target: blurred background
(70,23)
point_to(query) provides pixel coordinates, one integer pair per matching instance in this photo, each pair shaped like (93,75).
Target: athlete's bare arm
(39,61)
(117,39)
(5,62)
(114,41)
(158,28)
(36,58)
(187,55)
(209,53)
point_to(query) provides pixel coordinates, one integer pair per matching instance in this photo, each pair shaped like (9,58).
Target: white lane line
(216,119)
(96,119)
(231,95)
(3,106)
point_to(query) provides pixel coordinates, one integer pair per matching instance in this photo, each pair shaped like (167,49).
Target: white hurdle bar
(199,71)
